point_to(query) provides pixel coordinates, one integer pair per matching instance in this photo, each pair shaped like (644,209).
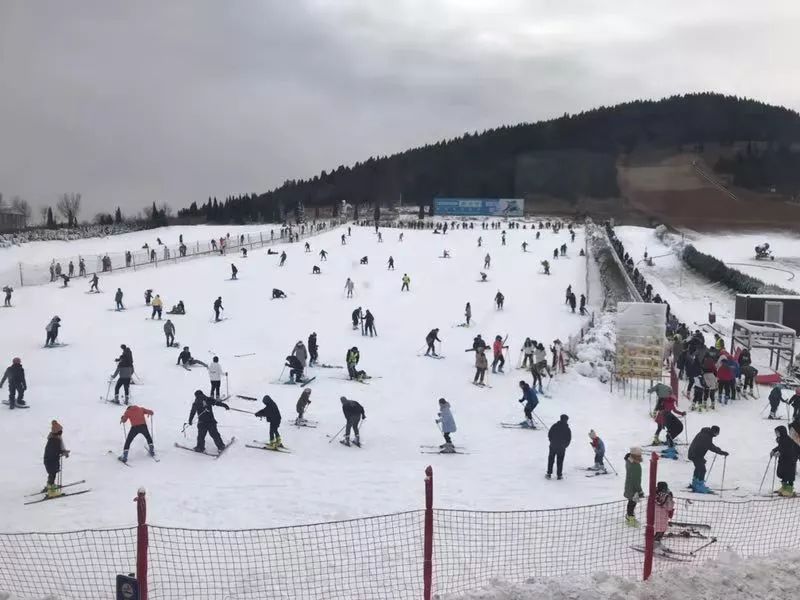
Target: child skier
(633,484)
(272,414)
(787,453)
(448,424)
(137,415)
(599,453)
(665,507)
(302,404)
(53,451)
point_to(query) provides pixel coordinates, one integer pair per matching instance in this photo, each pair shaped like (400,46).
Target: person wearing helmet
(15,375)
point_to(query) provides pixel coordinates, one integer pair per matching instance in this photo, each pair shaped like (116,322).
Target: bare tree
(22,205)
(69,205)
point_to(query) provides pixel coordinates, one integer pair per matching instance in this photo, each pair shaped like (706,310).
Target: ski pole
(763,409)
(769,462)
(722,485)
(242,411)
(538,418)
(708,473)
(227,386)
(608,462)
(336,435)
(153,429)
(124,431)
(686,429)
(108,389)
(774,472)
(696,550)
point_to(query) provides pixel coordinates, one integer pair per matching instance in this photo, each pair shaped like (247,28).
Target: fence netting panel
(377,557)
(75,565)
(470,548)
(754,527)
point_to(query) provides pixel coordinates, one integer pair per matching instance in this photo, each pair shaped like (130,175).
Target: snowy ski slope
(321,481)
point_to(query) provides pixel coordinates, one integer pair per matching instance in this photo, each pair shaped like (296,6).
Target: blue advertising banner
(471,207)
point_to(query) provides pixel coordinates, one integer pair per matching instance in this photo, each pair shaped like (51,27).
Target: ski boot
(151,450)
(127,399)
(357,442)
(670,453)
(559,477)
(124,457)
(494,369)
(116,399)
(699,487)
(772,415)
(20,402)
(656,441)
(541,390)
(53,491)
(631,521)
(548,475)
(787,491)
(198,449)
(713,406)
(345,441)
(278,442)
(448,449)
(272,444)
(500,370)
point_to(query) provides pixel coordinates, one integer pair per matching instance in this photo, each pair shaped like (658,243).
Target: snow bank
(595,353)
(729,578)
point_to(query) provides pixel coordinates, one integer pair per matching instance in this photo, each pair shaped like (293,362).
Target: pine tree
(51,222)
(118,216)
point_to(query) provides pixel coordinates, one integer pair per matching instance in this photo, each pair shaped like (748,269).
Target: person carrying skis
(477,344)
(295,369)
(448,425)
(468,313)
(531,401)
(599,453)
(158,305)
(633,484)
(406,281)
(300,352)
(215,377)
(353,414)
(348,286)
(787,454)
(390,264)
(53,451)
(185,359)
(125,371)
(497,351)
(560,436)
(702,443)
(17,385)
(498,300)
(234,271)
(203,407)
(169,333)
(217,307)
(369,324)
(313,349)
(665,508)
(137,416)
(7,290)
(283,259)
(302,404)
(528,349)
(431,339)
(118,299)
(52,331)
(272,414)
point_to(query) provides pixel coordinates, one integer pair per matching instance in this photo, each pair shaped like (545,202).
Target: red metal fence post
(141,543)
(428,549)
(649,531)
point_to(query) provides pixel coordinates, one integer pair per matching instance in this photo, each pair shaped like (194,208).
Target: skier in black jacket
(702,443)
(15,375)
(272,414)
(296,368)
(353,413)
(185,359)
(787,453)
(218,307)
(313,349)
(430,339)
(369,324)
(53,451)
(206,423)
(560,436)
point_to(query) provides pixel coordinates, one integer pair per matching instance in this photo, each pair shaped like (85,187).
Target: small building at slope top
(11,219)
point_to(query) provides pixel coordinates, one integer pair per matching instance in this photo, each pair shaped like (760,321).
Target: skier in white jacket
(215,375)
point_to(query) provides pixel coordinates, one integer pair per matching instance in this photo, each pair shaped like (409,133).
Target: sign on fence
(640,339)
(492,207)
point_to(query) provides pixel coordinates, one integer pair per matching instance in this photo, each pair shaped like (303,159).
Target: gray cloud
(130,102)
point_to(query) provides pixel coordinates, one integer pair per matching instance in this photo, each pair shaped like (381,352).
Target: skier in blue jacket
(531,401)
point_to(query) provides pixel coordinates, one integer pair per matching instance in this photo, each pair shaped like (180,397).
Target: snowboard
(23,406)
(56,345)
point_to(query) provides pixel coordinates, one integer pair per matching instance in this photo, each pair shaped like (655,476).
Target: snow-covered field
(322,481)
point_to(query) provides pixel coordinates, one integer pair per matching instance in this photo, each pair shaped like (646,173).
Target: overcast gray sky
(130,102)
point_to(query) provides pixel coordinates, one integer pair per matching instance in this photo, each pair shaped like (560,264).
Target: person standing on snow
(665,508)
(633,484)
(528,348)
(169,332)
(158,305)
(487,261)
(481,364)
(369,324)
(313,349)
(125,371)
(302,404)
(599,453)
(406,282)
(560,437)
(353,414)
(215,376)
(531,401)
(137,416)
(272,414)
(17,385)
(53,451)
(390,264)
(702,443)
(665,417)
(431,339)
(118,299)
(203,407)
(448,425)
(787,454)
(497,349)
(52,331)
(468,313)
(217,307)
(348,286)
(300,352)
(356,317)
(499,298)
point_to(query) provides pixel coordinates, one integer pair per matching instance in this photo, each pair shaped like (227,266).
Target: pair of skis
(217,455)
(259,445)
(442,450)
(62,495)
